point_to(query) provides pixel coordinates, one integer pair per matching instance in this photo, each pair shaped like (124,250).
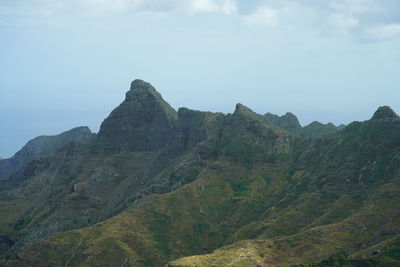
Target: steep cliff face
(42,146)
(142,122)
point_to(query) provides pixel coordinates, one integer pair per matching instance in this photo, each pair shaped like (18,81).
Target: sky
(67,63)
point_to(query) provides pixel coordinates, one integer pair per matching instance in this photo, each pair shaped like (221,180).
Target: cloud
(262,17)
(227,7)
(343,22)
(384,32)
(113,6)
(361,19)
(352,6)
(367,20)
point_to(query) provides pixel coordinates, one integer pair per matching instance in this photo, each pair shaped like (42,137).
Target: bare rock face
(143,122)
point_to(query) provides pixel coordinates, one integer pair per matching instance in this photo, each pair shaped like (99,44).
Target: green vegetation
(158,187)
(42,146)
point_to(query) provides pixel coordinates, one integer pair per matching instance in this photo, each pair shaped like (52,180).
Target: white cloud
(199,6)
(110,7)
(384,32)
(352,6)
(227,7)
(377,19)
(113,6)
(262,17)
(343,22)
(366,20)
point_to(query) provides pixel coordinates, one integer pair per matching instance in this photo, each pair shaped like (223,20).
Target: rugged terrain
(41,146)
(161,187)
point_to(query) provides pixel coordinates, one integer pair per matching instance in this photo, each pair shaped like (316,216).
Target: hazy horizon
(94,127)
(69,63)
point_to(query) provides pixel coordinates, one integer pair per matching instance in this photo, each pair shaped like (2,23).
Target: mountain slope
(236,183)
(345,202)
(87,183)
(42,146)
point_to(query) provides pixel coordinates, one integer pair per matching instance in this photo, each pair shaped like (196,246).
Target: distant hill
(290,123)
(42,146)
(159,187)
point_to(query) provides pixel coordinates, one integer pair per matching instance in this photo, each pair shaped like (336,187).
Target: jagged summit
(243,112)
(144,93)
(140,84)
(240,108)
(140,88)
(288,122)
(142,122)
(79,129)
(385,112)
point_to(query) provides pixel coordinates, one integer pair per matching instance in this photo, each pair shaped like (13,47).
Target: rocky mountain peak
(242,110)
(290,120)
(385,112)
(81,130)
(139,89)
(142,122)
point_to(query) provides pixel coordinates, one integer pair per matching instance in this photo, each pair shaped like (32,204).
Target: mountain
(42,146)
(342,206)
(317,129)
(290,123)
(385,113)
(142,122)
(158,187)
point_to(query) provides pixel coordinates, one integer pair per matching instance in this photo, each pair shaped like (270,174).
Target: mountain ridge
(42,146)
(236,184)
(291,123)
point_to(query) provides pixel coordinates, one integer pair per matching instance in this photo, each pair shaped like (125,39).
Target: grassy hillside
(233,189)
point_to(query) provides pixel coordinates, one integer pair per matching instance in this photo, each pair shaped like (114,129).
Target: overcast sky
(66,63)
